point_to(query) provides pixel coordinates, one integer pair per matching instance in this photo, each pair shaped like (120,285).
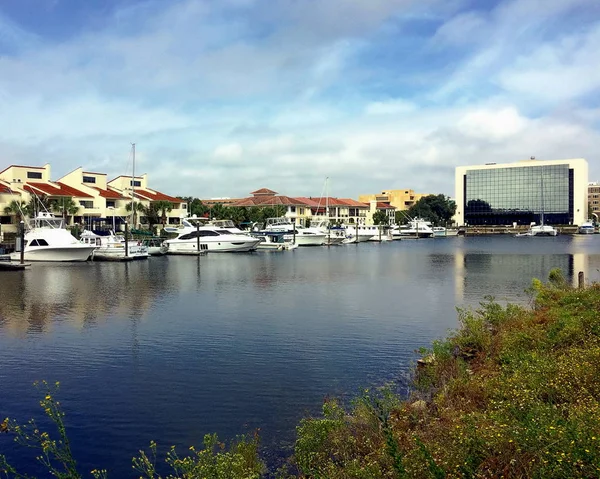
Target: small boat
(586,228)
(538,230)
(111,247)
(273,241)
(48,240)
(296,234)
(357,235)
(155,245)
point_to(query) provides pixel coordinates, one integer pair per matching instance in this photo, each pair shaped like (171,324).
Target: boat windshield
(46,220)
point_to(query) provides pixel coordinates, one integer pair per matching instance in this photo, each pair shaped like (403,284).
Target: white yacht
(48,240)
(333,234)
(273,241)
(111,247)
(303,236)
(193,239)
(357,235)
(586,228)
(416,227)
(543,230)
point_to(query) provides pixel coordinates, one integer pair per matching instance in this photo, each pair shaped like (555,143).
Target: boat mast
(133,188)
(327,198)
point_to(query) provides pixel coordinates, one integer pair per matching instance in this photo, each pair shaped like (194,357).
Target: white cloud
(493,125)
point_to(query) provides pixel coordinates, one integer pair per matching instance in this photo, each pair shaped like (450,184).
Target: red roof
(51,190)
(323,202)
(152,195)
(270,201)
(5,189)
(385,206)
(108,193)
(264,191)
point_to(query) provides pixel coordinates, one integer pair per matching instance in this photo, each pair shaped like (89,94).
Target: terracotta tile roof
(70,191)
(351,202)
(109,193)
(152,195)
(264,191)
(384,206)
(51,190)
(270,201)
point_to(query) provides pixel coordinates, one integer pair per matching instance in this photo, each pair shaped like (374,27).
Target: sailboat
(541,229)
(335,235)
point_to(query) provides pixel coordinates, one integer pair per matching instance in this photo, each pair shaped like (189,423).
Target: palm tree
(137,207)
(67,206)
(18,209)
(164,207)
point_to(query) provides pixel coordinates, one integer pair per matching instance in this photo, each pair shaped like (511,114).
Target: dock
(7,265)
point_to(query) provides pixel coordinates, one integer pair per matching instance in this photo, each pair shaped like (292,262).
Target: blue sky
(226,96)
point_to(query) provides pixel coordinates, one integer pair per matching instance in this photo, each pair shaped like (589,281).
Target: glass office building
(523,193)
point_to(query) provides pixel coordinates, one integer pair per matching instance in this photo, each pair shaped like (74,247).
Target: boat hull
(73,253)
(190,247)
(306,240)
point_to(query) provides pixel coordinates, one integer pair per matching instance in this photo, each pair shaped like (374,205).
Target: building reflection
(481,274)
(36,300)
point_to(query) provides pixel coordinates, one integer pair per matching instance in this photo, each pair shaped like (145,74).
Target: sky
(223,97)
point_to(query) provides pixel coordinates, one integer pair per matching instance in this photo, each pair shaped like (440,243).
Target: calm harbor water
(175,347)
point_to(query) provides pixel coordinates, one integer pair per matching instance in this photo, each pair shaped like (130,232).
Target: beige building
(399,199)
(523,192)
(593,198)
(98,200)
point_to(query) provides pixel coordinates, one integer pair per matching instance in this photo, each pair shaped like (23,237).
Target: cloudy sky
(226,96)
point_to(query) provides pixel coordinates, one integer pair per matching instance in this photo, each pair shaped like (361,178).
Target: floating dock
(7,265)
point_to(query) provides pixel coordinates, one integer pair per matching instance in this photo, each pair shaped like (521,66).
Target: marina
(234,342)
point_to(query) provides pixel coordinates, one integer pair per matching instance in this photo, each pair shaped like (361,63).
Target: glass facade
(502,196)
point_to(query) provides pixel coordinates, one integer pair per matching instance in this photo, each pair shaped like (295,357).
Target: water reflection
(189,346)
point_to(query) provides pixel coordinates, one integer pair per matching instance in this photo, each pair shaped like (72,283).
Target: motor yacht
(416,228)
(48,240)
(111,247)
(193,239)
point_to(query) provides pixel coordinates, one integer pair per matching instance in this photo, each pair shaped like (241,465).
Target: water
(175,347)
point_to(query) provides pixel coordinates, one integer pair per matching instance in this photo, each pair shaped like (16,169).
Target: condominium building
(399,199)
(525,192)
(593,198)
(304,209)
(97,200)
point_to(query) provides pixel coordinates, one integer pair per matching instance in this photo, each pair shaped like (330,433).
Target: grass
(514,393)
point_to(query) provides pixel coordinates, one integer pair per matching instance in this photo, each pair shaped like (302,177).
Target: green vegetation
(439,209)
(513,393)
(380,218)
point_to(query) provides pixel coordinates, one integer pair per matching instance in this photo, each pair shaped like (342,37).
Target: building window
(34,175)
(110,203)
(507,195)
(86,204)
(135,183)
(292,209)
(89,179)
